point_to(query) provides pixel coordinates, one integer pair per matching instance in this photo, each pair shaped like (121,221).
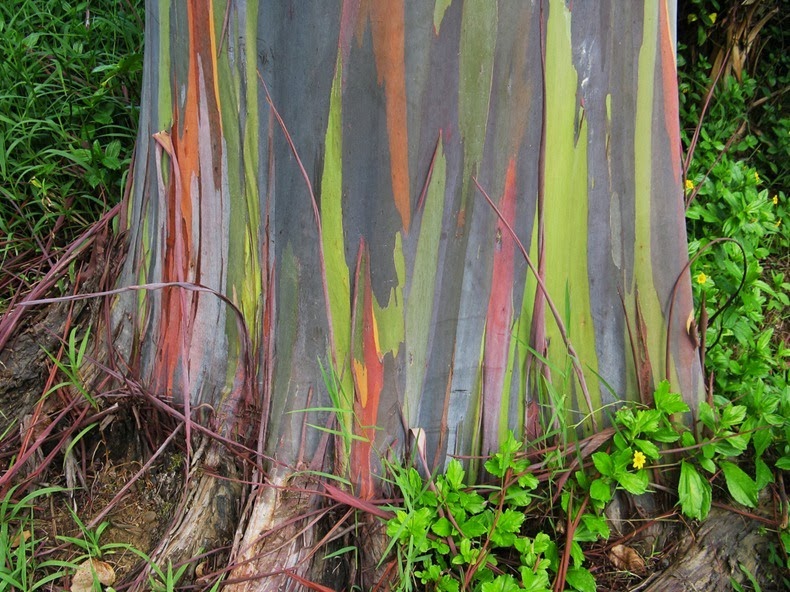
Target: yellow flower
(778,222)
(756,177)
(639,460)
(702,278)
(775,199)
(689,184)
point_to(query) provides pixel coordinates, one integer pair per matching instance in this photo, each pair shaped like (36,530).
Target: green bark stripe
(419,307)
(476,70)
(506,422)
(337,272)
(164,100)
(389,318)
(566,202)
(643,174)
(439,8)
(250,156)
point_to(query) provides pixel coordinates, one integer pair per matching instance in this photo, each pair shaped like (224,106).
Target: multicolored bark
(317,163)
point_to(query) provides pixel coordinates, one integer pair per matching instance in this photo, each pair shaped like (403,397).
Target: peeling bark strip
(291,163)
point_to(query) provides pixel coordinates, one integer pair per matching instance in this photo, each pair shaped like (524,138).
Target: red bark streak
(499,316)
(670,89)
(368,371)
(181,256)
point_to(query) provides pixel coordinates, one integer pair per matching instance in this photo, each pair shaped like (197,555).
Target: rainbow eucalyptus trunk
(321,169)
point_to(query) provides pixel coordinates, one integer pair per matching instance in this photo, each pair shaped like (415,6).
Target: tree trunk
(725,547)
(309,211)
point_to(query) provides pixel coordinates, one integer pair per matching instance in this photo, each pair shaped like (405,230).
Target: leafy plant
(20,566)
(69,95)
(450,537)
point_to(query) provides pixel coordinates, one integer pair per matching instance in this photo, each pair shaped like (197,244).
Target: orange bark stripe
(387,26)
(368,370)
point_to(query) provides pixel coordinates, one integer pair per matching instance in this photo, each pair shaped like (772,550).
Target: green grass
(69,95)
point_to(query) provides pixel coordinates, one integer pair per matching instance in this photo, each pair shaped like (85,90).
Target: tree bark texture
(309,207)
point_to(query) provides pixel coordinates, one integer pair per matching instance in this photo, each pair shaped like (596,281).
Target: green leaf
(707,464)
(474,503)
(650,449)
(603,463)
(442,527)
(732,444)
(455,474)
(706,415)
(761,440)
(665,435)
(762,473)
(596,524)
(694,492)
(449,584)
(732,415)
(687,439)
(635,483)
(647,421)
(742,488)
(516,496)
(580,579)
(534,582)
(783,463)
(667,402)
(528,481)
(601,490)
(476,526)
(577,554)
(510,521)
(503,583)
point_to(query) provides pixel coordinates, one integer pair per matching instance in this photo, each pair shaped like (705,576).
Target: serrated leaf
(510,521)
(761,440)
(516,496)
(455,474)
(596,524)
(741,487)
(732,444)
(635,483)
(442,527)
(502,583)
(528,481)
(647,421)
(601,490)
(476,526)
(667,402)
(732,415)
(694,492)
(646,446)
(603,463)
(474,503)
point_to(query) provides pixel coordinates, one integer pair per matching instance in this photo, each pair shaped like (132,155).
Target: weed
(69,90)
